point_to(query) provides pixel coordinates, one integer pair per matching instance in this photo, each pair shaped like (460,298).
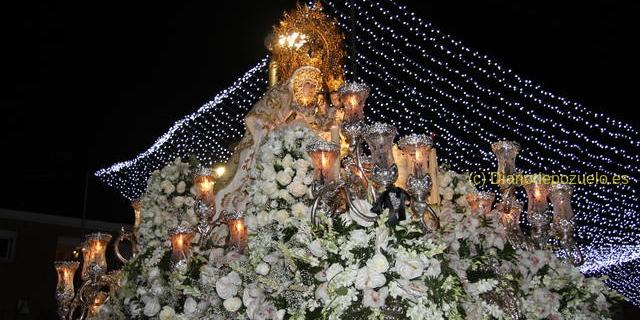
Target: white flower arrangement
(345,268)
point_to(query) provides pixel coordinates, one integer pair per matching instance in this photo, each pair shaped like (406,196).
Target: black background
(92,83)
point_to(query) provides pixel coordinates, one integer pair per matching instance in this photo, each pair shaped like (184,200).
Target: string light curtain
(423,80)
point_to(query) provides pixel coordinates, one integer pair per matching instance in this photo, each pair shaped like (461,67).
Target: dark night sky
(92,83)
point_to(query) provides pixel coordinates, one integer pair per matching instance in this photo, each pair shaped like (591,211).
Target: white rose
(262,268)
(333,270)
(190,306)
(232,304)
(378,263)
(167,313)
(375,299)
(226,288)
(283,178)
(151,307)
(315,247)
(178,201)
(181,187)
(409,268)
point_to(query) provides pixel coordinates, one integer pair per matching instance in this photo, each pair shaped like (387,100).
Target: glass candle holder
(379,136)
(416,147)
(472,200)
(353,97)
(563,221)
(93,254)
(238,232)
(98,301)
(66,271)
(506,153)
(537,206)
(204,181)
(181,237)
(323,156)
(65,290)
(485,201)
(137,213)
(510,218)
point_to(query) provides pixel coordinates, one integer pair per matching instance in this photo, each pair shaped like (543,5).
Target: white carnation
(178,201)
(181,187)
(283,178)
(300,210)
(378,263)
(232,304)
(282,216)
(297,188)
(448,194)
(167,313)
(167,187)
(262,268)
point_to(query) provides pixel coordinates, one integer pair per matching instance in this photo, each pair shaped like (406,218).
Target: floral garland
(345,268)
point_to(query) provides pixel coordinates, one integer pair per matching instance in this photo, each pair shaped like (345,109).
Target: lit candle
(417,147)
(537,206)
(94,250)
(485,201)
(237,230)
(353,96)
(64,288)
(323,156)
(180,244)
(98,301)
(204,182)
(66,271)
(137,213)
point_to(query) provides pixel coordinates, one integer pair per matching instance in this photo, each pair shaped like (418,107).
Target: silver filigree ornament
(205,214)
(203,171)
(353,87)
(415,140)
(419,188)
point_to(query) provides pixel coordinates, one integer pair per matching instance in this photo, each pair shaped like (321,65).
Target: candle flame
(324,160)
(536,192)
